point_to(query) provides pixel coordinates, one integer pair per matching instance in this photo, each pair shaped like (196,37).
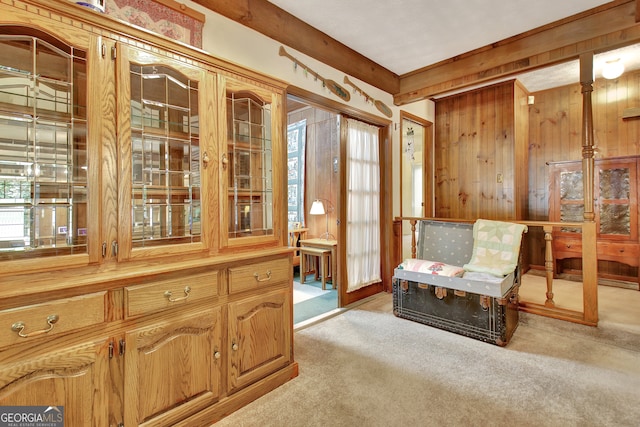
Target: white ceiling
(406,35)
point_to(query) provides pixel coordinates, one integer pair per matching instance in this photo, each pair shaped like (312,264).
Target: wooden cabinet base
(243,397)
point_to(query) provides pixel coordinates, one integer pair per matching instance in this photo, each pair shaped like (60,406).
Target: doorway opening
(313,150)
(416,139)
(330,129)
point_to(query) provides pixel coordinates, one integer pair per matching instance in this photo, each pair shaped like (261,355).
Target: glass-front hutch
(615,209)
(141,213)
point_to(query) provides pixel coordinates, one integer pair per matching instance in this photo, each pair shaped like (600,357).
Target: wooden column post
(586,81)
(589,252)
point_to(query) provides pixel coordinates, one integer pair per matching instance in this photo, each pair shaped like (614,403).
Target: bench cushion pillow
(496,247)
(431,267)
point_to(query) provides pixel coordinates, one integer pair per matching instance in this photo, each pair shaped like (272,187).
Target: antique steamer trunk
(486,310)
(482,317)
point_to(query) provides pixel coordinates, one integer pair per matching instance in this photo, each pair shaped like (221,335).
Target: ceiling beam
(610,26)
(273,22)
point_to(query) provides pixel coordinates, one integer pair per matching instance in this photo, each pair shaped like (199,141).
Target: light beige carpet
(617,307)
(365,367)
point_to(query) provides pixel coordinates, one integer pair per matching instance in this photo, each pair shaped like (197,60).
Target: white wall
(228,40)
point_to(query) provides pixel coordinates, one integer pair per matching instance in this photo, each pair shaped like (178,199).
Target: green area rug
(315,306)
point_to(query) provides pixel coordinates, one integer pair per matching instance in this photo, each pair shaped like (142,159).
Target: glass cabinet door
(43,146)
(616,211)
(249,161)
(162,155)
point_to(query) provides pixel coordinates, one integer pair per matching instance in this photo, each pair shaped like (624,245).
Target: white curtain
(363,205)
(296,144)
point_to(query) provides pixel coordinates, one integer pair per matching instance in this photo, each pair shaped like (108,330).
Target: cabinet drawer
(626,253)
(51,318)
(259,274)
(567,248)
(163,294)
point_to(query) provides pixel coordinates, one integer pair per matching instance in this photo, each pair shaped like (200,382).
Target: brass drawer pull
(19,327)
(187,292)
(263,280)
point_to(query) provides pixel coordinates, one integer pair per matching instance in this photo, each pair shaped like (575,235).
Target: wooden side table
(325,244)
(322,267)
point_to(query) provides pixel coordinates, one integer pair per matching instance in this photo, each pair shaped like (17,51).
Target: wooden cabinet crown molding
(104,25)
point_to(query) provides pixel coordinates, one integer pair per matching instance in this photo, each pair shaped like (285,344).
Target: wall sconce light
(613,69)
(317,208)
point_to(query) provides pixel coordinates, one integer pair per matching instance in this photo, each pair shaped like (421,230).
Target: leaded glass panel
(43,147)
(572,213)
(250,165)
(614,184)
(615,219)
(166,205)
(571,186)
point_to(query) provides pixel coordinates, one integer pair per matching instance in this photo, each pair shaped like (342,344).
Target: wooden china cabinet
(145,276)
(615,208)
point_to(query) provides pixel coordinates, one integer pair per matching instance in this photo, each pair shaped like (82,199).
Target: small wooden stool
(323,257)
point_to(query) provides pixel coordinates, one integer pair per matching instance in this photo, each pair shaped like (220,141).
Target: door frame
(427,165)
(386,199)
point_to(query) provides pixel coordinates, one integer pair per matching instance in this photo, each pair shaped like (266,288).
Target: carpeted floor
(367,367)
(617,307)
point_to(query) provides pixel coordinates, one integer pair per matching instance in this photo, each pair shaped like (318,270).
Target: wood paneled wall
(321,180)
(555,122)
(479,153)
(555,126)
